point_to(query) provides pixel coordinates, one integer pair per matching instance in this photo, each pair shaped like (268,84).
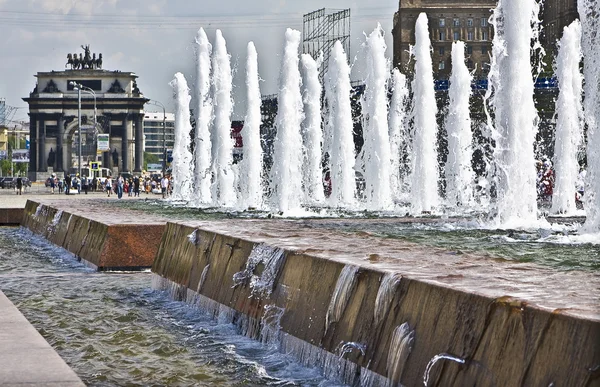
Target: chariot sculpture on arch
(86,60)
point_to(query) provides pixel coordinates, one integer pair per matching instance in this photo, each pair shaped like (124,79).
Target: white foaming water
(204,110)
(339,129)
(385,295)
(375,154)
(341,295)
(569,122)
(590,42)
(436,358)
(400,348)
(251,165)
(399,140)
(261,285)
(510,80)
(286,173)
(459,172)
(223,192)
(182,157)
(311,130)
(424,184)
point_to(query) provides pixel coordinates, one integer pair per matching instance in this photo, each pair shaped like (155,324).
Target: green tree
(150,158)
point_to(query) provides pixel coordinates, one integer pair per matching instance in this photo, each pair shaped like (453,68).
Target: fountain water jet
(424,184)
(399,139)
(459,173)
(251,165)
(515,126)
(204,110)
(311,130)
(339,129)
(569,123)
(182,157)
(375,154)
(590,24)
(223,192)
(286,173)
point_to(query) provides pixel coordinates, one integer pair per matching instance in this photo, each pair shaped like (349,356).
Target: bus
(100,173)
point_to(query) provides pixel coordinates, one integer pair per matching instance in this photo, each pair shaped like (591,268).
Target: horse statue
(76,62)
(87,59)
(99,61)
(69,61)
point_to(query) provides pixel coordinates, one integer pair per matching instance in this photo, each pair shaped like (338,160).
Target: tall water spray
(515,126)
(569,122)
(312,130)
(339,129)
(375,154)
(251,165)
(286,173)
(204,110)
(399,140)
(424,180)
(590,42)
(182,157)
(223,192)
(459,172)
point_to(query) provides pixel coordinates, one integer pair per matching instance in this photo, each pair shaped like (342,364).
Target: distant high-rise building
(2,112)
(158,138)
(449,21)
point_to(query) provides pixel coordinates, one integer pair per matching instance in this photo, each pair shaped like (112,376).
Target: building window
(484,22)
(442,35)
(470,64)
(442,65)
(484,35)
(441,51)
(456,22)
(456,35)
(469,50)
(484,49)
(442,22)
(470,22)
(470,35)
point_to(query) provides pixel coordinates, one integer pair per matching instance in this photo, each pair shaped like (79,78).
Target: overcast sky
(153,38)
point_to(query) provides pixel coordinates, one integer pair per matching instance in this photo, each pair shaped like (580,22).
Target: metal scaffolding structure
(321,29)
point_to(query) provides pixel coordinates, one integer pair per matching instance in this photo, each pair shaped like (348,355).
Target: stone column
(42,156)
(125,145)
(139,142)
(59,143)
(33,149)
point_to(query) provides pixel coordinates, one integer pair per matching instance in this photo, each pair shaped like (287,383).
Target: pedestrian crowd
(120,186)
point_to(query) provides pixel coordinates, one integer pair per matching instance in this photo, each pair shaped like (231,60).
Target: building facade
(159,133)
(111,103)
(556,14)
(449,21)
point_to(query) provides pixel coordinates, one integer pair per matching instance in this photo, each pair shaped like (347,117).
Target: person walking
(120,184)
(85,184)
(108,185)
(19,185)
(164,184)
(67,184)
(136,186)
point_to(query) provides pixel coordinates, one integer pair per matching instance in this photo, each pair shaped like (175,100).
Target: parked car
(11,182)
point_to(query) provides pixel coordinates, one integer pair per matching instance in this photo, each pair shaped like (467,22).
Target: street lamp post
(79,87)
(164,140)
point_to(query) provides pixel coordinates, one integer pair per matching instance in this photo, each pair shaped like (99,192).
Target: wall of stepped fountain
(366,326)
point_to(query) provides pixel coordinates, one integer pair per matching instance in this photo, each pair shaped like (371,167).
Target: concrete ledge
(11,216)
(26,358)
(391,321)
(96,237)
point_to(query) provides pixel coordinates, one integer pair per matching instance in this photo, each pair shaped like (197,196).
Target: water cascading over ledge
(362,324)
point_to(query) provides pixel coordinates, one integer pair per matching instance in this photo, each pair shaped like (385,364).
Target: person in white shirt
(164,184)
